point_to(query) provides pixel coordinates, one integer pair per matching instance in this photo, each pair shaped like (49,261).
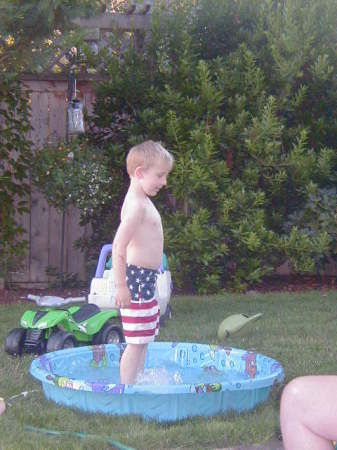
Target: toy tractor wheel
(168,312)
(167,315)
(59,340)
(15,341)
(109,334)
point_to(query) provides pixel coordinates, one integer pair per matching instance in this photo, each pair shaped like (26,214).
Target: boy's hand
(122,297)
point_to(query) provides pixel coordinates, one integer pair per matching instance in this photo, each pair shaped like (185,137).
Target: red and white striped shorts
(141,320)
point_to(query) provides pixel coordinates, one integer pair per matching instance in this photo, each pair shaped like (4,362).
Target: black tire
(168,312)
(15,341)
(109,334)
(60,340)
(166,315)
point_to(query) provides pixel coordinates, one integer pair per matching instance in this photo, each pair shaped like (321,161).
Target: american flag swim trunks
(141,320)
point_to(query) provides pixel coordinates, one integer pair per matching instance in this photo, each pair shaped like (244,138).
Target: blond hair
(146,154)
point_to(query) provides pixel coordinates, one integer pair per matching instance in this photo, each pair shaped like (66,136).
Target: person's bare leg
(131,363)
(309,413)
(142,359)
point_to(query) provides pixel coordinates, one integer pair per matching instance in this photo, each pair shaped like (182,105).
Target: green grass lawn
(299,330)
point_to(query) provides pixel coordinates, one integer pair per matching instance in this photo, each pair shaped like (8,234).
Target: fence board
(43,223)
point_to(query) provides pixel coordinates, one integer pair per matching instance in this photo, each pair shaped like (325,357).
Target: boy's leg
(132,362)
(142,358)
(309,413)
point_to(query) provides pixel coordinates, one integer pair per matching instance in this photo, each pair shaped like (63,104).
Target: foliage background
(244,95)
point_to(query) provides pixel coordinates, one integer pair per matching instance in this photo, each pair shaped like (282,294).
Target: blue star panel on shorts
(141,282)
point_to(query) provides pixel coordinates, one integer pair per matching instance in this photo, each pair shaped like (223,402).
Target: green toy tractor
(52,329)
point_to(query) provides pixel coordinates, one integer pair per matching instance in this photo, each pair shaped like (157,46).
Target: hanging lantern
(75,117)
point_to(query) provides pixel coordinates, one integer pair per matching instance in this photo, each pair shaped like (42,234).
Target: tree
(31,30)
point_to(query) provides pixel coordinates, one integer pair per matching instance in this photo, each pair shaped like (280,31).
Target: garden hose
(8,402)
(117,445)
(3,403)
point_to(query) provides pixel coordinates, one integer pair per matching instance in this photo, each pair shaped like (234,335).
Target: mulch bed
(291,283)
(295,283)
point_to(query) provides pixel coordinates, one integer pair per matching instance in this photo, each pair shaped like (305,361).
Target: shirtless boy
(137,254)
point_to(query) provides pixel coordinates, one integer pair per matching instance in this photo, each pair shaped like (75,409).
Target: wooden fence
(43,223)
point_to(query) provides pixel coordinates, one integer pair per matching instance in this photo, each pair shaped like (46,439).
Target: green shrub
(73,173)
(316,232)
(15,157)
(242,93)
(78,173)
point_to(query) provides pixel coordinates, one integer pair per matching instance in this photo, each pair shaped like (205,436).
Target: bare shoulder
(133,207)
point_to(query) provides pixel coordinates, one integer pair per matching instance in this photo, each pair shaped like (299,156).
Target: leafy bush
(73,173)
(242,93)
(78,173)
(15,156)
(316,221)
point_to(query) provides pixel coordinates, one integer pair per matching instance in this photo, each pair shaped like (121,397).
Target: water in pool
(170,374)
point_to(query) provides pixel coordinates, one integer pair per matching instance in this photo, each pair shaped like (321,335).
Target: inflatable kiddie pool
(180,380)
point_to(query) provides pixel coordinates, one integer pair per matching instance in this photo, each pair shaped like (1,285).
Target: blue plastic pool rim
(46,377)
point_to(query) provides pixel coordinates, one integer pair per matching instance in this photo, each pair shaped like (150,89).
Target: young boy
(137,254)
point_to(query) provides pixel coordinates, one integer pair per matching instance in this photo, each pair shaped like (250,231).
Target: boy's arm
(124,234)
